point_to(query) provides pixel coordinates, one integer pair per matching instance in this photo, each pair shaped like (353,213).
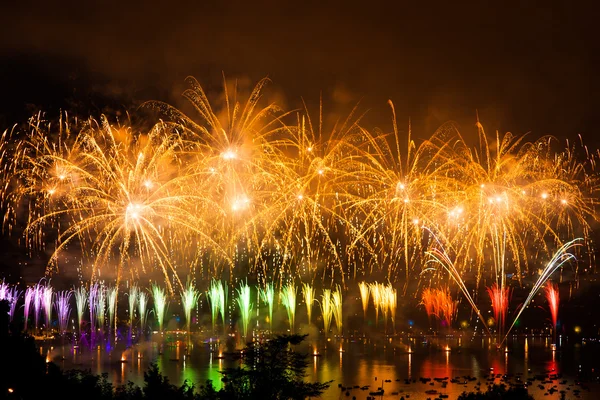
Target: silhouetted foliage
(272,370)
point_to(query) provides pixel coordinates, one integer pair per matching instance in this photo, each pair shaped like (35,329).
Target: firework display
(247,190)
(243,189)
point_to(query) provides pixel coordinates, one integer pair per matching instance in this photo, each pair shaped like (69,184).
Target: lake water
(395,364)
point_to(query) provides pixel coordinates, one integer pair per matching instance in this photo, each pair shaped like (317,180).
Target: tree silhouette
(271,370)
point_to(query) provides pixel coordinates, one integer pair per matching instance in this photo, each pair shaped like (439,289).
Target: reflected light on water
(358,364)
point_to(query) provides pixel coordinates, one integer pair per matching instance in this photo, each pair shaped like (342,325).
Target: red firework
(500,296)
(553,299)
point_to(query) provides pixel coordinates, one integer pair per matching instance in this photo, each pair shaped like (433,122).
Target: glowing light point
(240,203)
(229,155)
(133,211)
(544,195)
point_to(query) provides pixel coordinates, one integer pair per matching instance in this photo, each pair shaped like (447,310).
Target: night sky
(524,68)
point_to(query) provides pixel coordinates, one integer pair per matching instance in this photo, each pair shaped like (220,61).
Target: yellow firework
(120,196)
(521,194)
(246,185)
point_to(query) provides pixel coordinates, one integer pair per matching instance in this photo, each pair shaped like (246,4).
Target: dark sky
(523,67)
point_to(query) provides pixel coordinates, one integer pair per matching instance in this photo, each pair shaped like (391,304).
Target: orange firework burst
(250,187)
(439,303)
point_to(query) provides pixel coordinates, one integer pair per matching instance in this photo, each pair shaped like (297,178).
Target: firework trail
(553,297)
(100,306)
(364,296)
(438,303)
(214,296)
(560,258)
(81,299)
(288,298)
(160,305)
(428,300)
(47,303)
(4,288)
(38,303)
(392,301)
(500,297)
(326,310)
(447,307)
(377,296)
(244,300)
(389,299)
(142,310)
(132,302)
(63,309)
(13,298)
(336,298)
(309,298)
(223,290)
(267,295)
(111,295)
(92,299)
(29,300)
(189,300)
(440,257)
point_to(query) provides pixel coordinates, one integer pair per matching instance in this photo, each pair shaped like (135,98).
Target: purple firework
(47,295)
(29,299)
(13,298)
(63,309)
(92,305)
(38,299)
(4,291)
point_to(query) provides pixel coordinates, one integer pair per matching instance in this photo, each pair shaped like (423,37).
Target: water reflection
(358,364)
